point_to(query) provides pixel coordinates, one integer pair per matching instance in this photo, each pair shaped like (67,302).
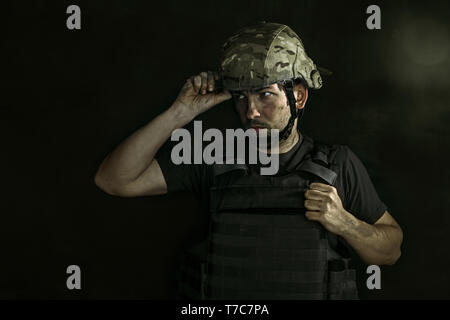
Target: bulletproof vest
(260,244)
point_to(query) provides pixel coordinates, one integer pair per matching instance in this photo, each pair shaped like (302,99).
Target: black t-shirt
(353,183)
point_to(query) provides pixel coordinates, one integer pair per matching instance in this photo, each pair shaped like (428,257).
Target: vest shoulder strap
(319,161)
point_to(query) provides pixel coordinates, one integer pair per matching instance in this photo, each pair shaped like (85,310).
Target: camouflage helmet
(263,54)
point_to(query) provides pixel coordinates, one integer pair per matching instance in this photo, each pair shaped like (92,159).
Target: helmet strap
(289,89)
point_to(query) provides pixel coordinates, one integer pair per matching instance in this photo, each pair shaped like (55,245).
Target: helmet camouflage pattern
(263,54)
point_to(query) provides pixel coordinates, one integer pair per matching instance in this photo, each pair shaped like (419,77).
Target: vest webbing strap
(326,174)
(320,155)
(228,255)
(240,197)
(294,270)
(278,220)
(292,260)
(253,231)
(266,242)
(265,295)
(308,262)
(315,283)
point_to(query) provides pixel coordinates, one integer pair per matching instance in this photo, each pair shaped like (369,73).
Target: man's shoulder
(336,152)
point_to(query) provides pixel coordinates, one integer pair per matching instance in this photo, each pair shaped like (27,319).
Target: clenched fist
(324,205)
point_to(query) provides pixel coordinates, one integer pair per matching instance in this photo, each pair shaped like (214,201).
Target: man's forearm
(375,244)
(135,154)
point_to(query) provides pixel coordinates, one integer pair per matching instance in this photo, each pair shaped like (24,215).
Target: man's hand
(198,95)
(324,205)
(375,244)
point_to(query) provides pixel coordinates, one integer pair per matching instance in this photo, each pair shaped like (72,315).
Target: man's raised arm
(131,169)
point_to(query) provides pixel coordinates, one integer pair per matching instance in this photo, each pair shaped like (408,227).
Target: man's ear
(301,95)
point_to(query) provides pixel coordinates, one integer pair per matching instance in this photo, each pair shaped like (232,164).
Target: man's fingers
(188,84)
(210,81)
(197,80)
(313,215)
(204,84)
(320,187)
(315,194)
(204,77)
(313,205)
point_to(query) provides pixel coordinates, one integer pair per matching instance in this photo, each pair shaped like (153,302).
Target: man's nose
(252,111)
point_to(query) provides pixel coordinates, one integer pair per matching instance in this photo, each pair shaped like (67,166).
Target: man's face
(262,108)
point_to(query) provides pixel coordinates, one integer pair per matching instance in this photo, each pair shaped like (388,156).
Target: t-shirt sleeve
(360,197)
(183,177)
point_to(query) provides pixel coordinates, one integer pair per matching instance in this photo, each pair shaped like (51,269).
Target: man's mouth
(257,128)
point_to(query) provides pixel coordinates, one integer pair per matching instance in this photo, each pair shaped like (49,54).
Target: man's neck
(290,142)
(285,145)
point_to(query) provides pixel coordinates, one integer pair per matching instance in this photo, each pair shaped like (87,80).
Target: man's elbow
(100,182)
(385,260)
(398,251)
(394,258)
(395,252)
(106,185)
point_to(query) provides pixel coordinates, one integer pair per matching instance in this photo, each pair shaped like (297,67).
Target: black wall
(68,97)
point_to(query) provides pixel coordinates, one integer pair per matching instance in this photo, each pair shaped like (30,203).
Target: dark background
(68,97)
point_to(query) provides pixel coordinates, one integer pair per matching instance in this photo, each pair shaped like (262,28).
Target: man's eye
(240,96)
(266,94)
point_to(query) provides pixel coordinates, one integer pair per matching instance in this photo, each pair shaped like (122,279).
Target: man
(280,237)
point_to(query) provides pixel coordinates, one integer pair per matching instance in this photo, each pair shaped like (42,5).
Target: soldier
(286,236)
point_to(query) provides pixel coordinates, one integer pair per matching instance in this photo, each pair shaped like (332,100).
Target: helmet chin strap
(289,89)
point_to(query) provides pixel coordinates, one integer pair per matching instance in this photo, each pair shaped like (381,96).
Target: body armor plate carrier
(260,244)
